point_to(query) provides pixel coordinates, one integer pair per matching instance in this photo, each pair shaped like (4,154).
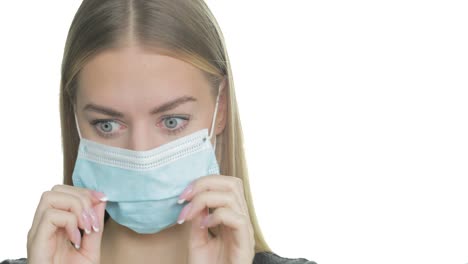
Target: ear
(222,106)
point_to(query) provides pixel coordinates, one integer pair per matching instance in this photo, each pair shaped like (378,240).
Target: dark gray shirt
(260,258)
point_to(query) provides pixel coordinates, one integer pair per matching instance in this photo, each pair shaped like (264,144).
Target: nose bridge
(141,137)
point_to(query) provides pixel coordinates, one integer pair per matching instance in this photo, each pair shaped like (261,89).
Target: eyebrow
(159,109)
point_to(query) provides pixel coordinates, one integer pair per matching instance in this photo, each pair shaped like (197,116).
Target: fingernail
(87,223)
(184,213)
(205,221)
(184,194)
(77,238)
(94,220)
(100,196)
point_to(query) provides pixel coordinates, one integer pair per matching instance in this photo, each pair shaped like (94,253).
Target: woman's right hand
(58,216)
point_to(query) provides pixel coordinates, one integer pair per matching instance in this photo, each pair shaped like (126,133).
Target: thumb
(91,244)
(198,236)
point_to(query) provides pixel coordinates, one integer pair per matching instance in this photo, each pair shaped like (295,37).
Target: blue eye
(172,122)
(105,127)
(175,124)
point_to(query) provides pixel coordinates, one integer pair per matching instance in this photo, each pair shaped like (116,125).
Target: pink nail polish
(184,213)
(77,238)
(94,220)
(87,222)
(100,196)
(205,221)
(184,194)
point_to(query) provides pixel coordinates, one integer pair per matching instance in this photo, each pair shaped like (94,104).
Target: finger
(213,183)
(80,207)
(213,199)
(85,194)
(91,244)
(94,196)
(238,224)
(198,237)
(51,221)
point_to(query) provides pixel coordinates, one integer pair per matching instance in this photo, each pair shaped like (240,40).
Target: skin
(134,82)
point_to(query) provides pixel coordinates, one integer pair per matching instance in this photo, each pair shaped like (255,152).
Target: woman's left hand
(235,242)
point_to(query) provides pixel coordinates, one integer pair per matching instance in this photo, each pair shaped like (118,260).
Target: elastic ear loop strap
(76,123)
(214,117)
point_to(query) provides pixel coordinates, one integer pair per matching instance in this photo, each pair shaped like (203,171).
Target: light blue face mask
(143,186)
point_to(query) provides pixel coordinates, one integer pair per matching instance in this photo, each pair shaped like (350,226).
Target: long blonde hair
(184,29)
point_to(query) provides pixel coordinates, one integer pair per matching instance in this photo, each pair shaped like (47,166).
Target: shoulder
(272,258)
(14,261)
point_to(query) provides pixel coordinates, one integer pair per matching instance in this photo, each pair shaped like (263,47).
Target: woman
(140,79)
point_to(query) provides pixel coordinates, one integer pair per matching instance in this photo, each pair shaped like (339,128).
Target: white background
(354,114)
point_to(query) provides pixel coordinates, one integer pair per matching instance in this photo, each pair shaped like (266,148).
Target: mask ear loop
(215,112)
(77,127)
(213,122)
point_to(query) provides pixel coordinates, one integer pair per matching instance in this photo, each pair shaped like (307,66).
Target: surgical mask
(143,186)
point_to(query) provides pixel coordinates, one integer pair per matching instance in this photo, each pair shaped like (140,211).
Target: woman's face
(135,100)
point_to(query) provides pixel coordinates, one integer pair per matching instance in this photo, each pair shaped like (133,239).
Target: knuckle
(217,214)
(237,182)
(242,220)
(81,200)
(85,201)
(199,200)
(85,193)
(217,217)
(231,200)
(45,195)
(56,187)
(52,215)
(194,207)
(70,219)
(49,214)
(233,184)
(200,181)
(220,212)
(77,205)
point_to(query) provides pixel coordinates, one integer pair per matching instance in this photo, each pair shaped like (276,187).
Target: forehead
(134,75)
